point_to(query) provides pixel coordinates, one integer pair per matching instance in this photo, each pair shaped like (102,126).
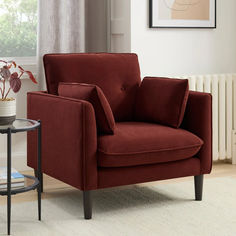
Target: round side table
(31,182)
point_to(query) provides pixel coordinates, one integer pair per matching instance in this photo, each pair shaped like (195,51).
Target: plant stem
(7,93)
(21,74)
(3,92)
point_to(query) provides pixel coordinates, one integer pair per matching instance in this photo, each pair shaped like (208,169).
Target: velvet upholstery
(137,143)
(162,100)
(110,177)
(118,75)
(94,95)
(69,134)
(198,120)
(69,139)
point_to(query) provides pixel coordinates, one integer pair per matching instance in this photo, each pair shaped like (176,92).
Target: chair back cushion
(117,74)
(162,100)
(93,94)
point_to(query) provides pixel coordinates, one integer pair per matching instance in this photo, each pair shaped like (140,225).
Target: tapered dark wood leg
(36,175)
(87,201)
(198,184)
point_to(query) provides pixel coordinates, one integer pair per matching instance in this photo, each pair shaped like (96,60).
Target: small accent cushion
(162,100)
(93,94)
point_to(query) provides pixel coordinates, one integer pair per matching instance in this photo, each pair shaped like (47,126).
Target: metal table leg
(39,171)
(8,181)
(32,125)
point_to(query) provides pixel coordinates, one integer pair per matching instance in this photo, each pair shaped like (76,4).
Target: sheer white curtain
(61,28)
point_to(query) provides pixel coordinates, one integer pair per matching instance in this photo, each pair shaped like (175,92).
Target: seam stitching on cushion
(83,146)
(76,83)
(87,54)
(57,97)
(108,164)
(99,100)
(211,132)
(46,74)
(103,109)
(152,151)
(182,104)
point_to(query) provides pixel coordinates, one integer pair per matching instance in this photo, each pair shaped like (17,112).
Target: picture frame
(182,13)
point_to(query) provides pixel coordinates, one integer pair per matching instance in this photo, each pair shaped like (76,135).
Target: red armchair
(75,153)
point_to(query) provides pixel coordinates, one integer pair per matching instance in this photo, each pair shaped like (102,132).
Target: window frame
(28,63)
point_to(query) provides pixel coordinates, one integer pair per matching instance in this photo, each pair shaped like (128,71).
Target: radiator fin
(223,90)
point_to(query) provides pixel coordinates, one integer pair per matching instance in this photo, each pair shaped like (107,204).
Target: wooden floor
(54,188)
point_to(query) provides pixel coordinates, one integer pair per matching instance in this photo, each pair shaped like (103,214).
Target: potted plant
(10,79)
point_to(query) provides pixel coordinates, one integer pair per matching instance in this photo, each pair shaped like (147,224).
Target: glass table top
(30,183)
(20,125)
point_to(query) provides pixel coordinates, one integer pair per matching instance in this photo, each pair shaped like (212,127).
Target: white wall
(169,52)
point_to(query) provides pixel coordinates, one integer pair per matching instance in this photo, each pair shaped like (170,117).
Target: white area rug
(163,210)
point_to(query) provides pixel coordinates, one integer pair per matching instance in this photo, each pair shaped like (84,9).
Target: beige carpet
(165,209)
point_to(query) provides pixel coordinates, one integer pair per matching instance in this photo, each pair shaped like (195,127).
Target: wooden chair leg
(198,184)
(36,175)
(87,201)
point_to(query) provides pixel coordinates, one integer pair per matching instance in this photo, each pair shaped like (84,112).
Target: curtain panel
(61,29)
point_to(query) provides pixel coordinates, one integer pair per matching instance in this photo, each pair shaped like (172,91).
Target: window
(18,30)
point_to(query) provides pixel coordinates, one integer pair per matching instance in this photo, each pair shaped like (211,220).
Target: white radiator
(223,90)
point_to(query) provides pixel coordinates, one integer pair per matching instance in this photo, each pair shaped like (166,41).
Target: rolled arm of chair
(198,120)
(69,139)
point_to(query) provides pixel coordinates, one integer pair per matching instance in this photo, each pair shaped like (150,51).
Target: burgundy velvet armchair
(73,150)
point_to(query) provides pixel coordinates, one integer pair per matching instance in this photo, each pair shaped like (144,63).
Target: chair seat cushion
(139,143)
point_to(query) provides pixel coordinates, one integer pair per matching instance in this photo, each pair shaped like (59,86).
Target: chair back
(117,74)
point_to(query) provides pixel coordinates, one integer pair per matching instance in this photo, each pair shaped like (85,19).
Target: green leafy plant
(18,28)
(14,78)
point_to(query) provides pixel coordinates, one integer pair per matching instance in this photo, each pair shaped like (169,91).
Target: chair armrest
(69,139)
(198,120)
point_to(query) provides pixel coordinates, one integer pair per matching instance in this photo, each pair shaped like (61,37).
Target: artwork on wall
(182,13)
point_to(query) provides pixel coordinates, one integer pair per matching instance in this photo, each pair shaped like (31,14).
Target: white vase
(7,112)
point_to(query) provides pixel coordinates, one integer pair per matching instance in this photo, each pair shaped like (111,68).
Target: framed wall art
(182,13)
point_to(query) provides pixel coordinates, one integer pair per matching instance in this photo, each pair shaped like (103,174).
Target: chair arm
(69,139)
(198,120)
